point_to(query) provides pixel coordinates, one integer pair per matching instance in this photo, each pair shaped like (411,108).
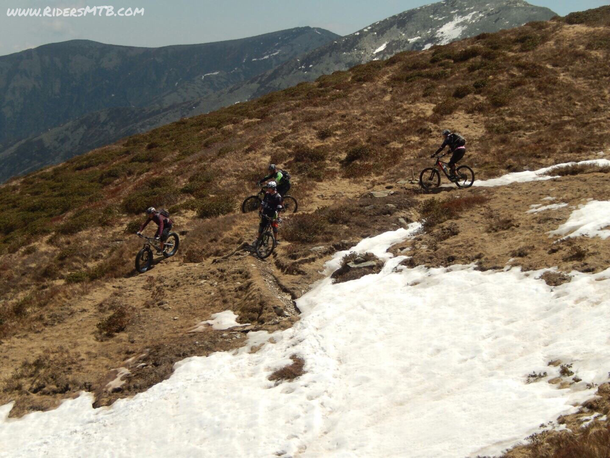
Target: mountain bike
(144,258)
(266,242)
(253,203)
(430,177)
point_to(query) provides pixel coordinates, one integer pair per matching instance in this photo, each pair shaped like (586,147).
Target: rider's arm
(445,143)
(278,177)
(266,178)
(144,225)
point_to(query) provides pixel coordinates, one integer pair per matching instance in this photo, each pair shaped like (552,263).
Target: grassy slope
(524,98)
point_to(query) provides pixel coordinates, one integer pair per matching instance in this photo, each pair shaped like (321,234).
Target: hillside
(94,84)
(304,55)
(74,315)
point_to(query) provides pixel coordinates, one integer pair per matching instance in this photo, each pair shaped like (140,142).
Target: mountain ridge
(394,34)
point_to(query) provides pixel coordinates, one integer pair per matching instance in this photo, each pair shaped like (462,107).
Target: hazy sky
(200,21)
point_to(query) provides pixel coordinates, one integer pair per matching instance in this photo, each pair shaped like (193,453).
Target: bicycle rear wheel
(429,179)
(290,204)
(251,204)
(465,176)
(265,244)
(144,260)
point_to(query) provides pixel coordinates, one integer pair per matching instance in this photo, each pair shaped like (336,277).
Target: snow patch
(381,48)
(537,175)
(588,221)
(537,208)
(452,30)
(220,321)
(267,56)
(209,74)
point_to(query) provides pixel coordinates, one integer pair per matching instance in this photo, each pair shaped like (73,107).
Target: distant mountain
(417,29)
(46,87)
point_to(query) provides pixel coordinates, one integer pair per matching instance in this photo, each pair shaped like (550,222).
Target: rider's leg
(283,189)
(457,156)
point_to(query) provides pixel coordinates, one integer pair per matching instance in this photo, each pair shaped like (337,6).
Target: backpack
(164,212)
(285,175)
(458,140)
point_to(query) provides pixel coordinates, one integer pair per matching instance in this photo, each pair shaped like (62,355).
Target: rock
(319,249)
(380,193)
(390,205)
(402,221)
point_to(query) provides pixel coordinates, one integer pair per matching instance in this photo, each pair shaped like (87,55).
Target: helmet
(272,167)
(150,210)
(446,132)
(272,185)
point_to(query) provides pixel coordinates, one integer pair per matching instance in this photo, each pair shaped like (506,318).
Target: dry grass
(434,211)
(290,372)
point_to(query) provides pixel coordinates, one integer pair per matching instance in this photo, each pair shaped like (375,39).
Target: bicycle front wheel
(170,247)
(265,245)
(144,260)
(290,204)
(251,204)
(429,179)
(465,177)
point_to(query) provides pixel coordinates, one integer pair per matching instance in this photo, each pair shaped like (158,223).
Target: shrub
(434,212)
(324,133)
(306,154)
(304,228)
(77,277)
(462,91)
(212,207)
(468,53)
(116,322)
(357,153)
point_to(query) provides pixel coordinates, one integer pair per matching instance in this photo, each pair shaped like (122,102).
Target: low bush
(212,207)
(116,322)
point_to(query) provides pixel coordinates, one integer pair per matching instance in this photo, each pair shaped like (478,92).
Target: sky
(173,22)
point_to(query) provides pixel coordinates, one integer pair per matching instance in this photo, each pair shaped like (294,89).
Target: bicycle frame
(443,166)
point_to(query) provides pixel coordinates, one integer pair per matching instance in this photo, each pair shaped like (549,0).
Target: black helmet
(446,132)
(150,210)
(271,167)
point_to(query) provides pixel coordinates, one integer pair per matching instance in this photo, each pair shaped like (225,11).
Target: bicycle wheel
(465,176)
(144,260)
(170,247)
(251,204)
(290,204)
(265,244)
(429,179)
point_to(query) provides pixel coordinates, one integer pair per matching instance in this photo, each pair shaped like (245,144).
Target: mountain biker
(270,207)
(164,222)
(280,177)
(457,146)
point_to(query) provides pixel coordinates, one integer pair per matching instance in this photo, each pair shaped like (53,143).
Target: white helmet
(272,185)
(150,210)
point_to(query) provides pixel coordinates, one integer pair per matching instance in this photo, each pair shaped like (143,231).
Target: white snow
(414,39)
(452,29)
(267,56)
(590,220)
(428,46)
(537,208)
(537,175)
(209,74)
(409,362)
(220,321)
(381,48)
